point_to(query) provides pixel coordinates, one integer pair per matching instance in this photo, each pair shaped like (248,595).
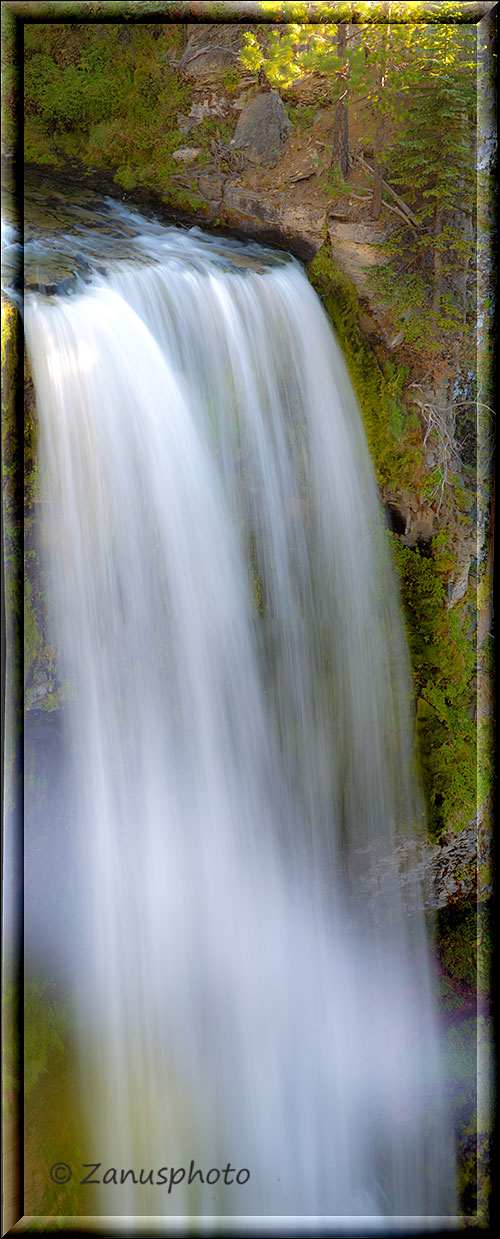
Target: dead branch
(408,215)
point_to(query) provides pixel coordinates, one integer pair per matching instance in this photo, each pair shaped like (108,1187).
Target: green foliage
(38,147)
(279,56)
(230,82)
(301,115)
(442,656)
(104,96)
(464,941)
(393,438)
(457,935)
(213,127)
(334,182)
(429,103)
(9,78)
(12,534)
(10,355)
(418,87)
(107,96)
(178,198)
(442,663)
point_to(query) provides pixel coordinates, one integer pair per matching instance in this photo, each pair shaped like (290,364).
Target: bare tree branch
(408,214)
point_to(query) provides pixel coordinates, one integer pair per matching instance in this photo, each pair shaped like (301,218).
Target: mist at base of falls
(239,728)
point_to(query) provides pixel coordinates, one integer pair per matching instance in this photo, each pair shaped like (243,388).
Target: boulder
(263,128)
(186,154)
(213,105)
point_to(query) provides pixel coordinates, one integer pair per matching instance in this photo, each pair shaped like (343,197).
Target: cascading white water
(225,615)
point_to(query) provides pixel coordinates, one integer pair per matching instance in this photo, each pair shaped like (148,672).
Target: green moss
(51,702)
(230,82)
(177,198)
(442,664)
(457,939)
(441,653)
(9,79)
(10,1044)
(10,355)
(214,128)
(393,435)
(474,1179)
(12,552)
(107,97)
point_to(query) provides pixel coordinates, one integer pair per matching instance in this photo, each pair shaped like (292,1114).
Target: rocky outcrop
(186,154)
(263,129)
(301,229)
(356,247)
(211,53)
(458,867)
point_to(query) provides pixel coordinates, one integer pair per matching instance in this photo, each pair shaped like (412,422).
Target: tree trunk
(340,152)
(378,168)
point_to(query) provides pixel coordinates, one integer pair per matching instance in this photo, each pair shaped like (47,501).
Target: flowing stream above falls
(239,720)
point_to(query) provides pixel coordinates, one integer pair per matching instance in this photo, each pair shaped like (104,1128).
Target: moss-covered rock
(443,661)
(442,650)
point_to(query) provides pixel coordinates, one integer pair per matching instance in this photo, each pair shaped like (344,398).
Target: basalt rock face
(263,129)
(211,53)
(294,227)
(439,874)
(255,181)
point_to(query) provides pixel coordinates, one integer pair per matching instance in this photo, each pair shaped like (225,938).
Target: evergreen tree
(419,82)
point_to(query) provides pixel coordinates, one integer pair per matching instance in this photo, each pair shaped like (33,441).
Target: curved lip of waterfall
(69,244)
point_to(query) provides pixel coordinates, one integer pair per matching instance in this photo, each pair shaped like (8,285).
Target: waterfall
(249,994)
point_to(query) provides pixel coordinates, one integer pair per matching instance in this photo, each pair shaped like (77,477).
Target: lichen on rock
(263,128)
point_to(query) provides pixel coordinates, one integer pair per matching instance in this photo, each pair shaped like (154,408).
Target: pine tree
(419,81)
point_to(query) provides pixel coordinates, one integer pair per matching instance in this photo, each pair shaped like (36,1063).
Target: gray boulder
(263,128)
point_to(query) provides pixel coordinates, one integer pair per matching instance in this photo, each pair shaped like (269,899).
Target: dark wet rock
(458,867)
(263,128)
(300,229)
(51,274)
